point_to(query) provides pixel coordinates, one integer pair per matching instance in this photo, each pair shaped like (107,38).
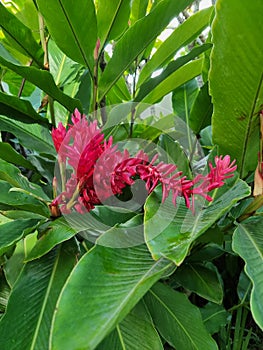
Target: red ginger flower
(101,171)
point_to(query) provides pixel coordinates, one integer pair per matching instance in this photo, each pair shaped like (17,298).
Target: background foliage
(195,288)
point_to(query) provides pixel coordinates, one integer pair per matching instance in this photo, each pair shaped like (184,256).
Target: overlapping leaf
(104,286)
(27,321)
(178,321)
(74,28)
(170,231)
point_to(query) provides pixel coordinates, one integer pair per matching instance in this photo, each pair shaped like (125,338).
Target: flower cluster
(100,170)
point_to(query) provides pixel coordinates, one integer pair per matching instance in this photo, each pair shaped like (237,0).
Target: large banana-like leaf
(104,286)
(236,80)
(178,321)
(248,243)
(135,332)
(26,324)
(170,231)
(73,26)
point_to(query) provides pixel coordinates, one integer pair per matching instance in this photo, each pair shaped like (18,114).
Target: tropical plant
(131,175)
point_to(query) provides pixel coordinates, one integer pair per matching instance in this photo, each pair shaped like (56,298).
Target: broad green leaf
(244,287)
(4,294)
(202,109)
(13,231)
(57,232)
(15,82)
(136,39)
(112,18)
(201,279)
(104,286)
(74,28)
(172,67)
(209,252)
(173,81)
(236,78)
(183,99)
(179,38)
(174,153)
(178,321)
(18,109)
(63,69)
(44,80)
(170,231)
(26,12)
(13,199)
(27,321)
(214,317)
(11,174)
(135,332)
(248,243)
(9,154)
(138,10)
(19,36)
(31,136)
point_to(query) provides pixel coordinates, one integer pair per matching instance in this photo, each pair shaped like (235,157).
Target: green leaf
(173,81)
(135,332)
(9,154)
(138,10)
(179,38)
(112,18)
(31,136)
(201,279)
(74,28)
(236,78)
(19,36)
(27,321)
(18,109)
(248,243)
(11,174)
(178,321)
(174,153)
(15,82)
(173,66)
(202,109)
(170,231)
(44,80)
(183,99)
(13,231)
(136,39)
(20,200)
(57,232)
(214,317)
(93,303)
(63,69)
(244,287)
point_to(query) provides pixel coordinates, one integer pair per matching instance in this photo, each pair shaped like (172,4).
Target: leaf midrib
(124,301)
(173,316)
(75,36)
(45,300)
(19,44)
(112,23)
